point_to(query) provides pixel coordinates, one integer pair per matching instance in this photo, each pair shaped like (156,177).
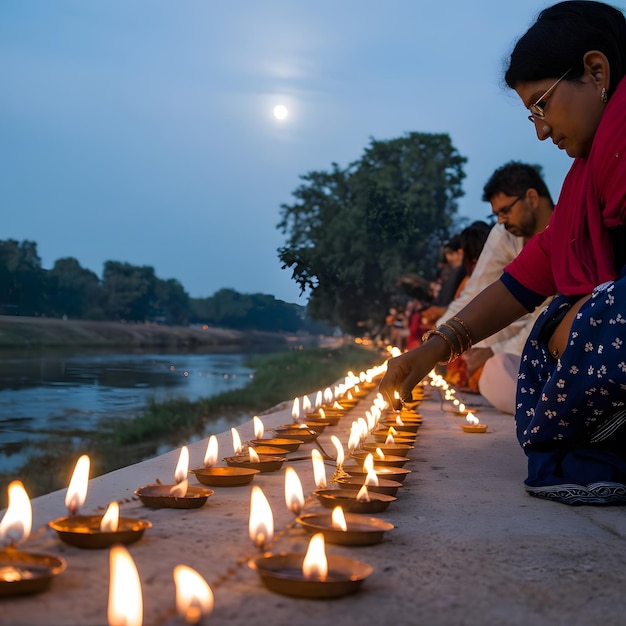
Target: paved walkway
(469,547)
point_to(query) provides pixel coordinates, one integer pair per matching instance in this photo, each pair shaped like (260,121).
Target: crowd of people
(543,310)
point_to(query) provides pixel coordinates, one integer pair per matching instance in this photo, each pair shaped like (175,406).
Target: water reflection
(43,397)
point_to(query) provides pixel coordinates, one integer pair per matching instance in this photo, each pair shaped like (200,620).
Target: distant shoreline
(19,333)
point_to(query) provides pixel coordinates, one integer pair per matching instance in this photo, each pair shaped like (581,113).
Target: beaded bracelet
(453,352)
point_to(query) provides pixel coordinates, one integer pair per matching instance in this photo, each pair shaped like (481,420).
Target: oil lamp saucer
(382,471)
(361,530)
(83,531)
(407,438)
(159,497)
(225,476)
(390,460)
(474,428)
(385,485)
(282,573)
(346,498)
(25,573)
(264,464)
(287,445)
(397,449)
(305,435)
(329,418)
(405,427)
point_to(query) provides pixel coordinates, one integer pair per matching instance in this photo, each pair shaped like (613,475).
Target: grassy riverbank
(278,377)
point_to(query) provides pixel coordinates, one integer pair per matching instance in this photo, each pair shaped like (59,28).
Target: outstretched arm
(490,311)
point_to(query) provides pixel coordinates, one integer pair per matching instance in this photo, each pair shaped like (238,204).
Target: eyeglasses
(505,210)
(537,109)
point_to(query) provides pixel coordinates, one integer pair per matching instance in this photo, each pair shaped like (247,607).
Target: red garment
(574,253)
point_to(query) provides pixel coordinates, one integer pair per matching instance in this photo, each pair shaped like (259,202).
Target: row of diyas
(314,574)
(472,424)
(101,528)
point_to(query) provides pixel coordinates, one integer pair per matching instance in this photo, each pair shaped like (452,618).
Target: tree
(352,232)
(22,279)
(172,302)
(231,309)
(73,290)
(129,290)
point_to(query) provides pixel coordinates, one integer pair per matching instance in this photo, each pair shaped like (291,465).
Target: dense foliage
(132,293)
(352,232)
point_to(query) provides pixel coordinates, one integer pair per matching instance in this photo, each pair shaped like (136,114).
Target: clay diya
(406,438)
(255,461)
(178,496)
(287,445)
(347,500)
(99,531)
(385,485)
(474,428)
(302,433)
(396,449)
(473,425)
(225,476)
(311,575)
(26,573)
(23,572)
(393,473)
(359,530)
(404,427)
(221,476)
(93,531)
(387,460)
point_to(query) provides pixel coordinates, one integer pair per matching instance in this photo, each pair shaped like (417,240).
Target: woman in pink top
(568,70)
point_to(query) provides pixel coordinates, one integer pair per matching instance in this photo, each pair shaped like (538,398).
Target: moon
(280,112)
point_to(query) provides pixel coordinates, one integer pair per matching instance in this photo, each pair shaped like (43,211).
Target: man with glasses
(521,202)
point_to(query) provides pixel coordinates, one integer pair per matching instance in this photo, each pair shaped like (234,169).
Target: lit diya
(178,496)
(402,426)
(286,444)
(382,435)
(94,531)
(473,424)
(297,431)
(353,500)
(368,468)
(22,572)
(381,485)
(323,415)
(396,449)
(349,529)
(312,575)
(393,473)
(252,460)
(222,476)
(380,458)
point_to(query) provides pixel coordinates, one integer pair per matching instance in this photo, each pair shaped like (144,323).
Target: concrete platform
(469,545)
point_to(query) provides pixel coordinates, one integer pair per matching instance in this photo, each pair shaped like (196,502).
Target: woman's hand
(406,370)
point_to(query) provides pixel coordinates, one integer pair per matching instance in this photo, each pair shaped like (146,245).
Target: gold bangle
(457,335)
(453,353)
(463,325)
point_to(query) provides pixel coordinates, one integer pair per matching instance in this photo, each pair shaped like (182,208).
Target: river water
(61,396)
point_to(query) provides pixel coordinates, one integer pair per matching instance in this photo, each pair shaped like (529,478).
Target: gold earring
(603,95)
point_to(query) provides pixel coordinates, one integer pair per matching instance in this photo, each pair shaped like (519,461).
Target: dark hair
(473,240)
(562,35)
(515,179)
(454,243)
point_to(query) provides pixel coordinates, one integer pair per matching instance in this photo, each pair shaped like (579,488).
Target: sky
(142,131)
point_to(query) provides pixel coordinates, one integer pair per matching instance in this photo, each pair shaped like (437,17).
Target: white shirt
(499,250)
